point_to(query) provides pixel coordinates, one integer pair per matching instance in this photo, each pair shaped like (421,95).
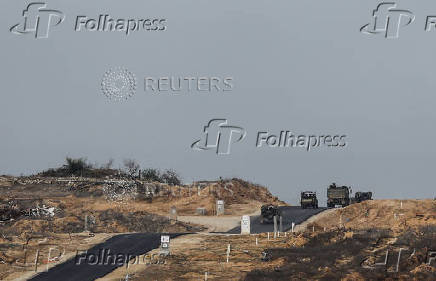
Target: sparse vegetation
(76,166)
(151,175)
(132,167)
(80,167)
(170,177)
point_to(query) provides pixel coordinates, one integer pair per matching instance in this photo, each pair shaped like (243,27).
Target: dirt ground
(358,249)
(222,223)
(23,256)
(330,255)
(194,256)
(396,215)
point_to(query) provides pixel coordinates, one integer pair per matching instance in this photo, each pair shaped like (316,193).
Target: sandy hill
(389,214)
(46,204)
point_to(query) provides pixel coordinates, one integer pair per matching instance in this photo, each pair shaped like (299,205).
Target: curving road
(126,244)
(290,214)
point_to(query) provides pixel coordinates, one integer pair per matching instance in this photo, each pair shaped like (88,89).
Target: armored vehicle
(362,196)
(308,199)
(267,213)
(338,196)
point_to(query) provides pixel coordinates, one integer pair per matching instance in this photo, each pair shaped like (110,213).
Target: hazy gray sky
(301,66)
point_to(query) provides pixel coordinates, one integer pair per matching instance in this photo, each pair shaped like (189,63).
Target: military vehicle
(362,196)
(338,196)
(267,213)
(308,199)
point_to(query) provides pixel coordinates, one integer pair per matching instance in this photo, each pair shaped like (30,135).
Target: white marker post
(228,252)
(173,213)
(165,244)
(245,225)
(219,207)
(275,226)
(293,225)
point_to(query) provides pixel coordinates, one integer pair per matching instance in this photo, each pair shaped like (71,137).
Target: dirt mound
(372,240)
(105,221)
(391,214)
(335,255)
(236,194)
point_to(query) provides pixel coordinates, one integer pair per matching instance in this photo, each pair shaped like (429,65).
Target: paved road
(290,214)
(127,244)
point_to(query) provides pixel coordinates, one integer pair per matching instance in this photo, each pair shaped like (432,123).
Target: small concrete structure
(219,207)
(164,244)
(245,224)
(201,211)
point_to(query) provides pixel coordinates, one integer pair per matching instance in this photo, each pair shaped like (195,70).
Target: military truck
(308,199)
(362,196)
(267,213)
(338,196)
